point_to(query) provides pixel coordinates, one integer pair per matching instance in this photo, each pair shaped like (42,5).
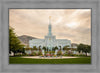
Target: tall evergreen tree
(14,43)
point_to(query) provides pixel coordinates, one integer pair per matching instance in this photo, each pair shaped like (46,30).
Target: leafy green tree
(60,47)
(66,48)
(34,48)
(39,48)
(27,48)
(44,48)
(87,49)
(21,49)
(55,48)
(80,47)
(84,48)
(14,43)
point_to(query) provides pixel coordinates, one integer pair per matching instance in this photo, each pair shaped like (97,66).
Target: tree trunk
(86,54)
(79,51)
(14,54)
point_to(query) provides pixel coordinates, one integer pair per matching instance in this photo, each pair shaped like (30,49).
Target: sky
(71,24)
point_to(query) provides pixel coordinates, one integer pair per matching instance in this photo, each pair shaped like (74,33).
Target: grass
(19,60)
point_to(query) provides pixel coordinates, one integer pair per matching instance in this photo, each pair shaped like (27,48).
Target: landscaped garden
(17,53)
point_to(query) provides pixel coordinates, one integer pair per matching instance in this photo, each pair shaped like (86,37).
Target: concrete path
(37,57)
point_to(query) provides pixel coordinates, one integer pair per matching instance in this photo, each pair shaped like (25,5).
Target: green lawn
(19,60)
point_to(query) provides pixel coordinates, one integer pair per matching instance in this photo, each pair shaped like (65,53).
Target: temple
(49,41)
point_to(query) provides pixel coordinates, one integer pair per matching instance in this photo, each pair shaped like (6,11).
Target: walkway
(37,57)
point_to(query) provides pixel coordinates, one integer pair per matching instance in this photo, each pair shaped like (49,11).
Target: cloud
(73,24)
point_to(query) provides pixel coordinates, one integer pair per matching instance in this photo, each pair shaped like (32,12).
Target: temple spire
(49,28)
(49,20)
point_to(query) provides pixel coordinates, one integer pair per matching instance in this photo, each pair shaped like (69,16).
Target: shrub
(39,53)
(54,55)
(65,55)
(32,54)
(59,53)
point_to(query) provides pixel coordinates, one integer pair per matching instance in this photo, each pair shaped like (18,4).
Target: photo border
(49,4)
(55,9)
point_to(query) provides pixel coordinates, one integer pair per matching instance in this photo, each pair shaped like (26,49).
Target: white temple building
(49,40)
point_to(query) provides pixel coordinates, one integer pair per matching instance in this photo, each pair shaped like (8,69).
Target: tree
(39,48)
(66,48)
(44,48)
(55,48)
(87,49)
(60,47)
(21,49)
(84,48)
(34,48)
(14,43)
(80,47)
